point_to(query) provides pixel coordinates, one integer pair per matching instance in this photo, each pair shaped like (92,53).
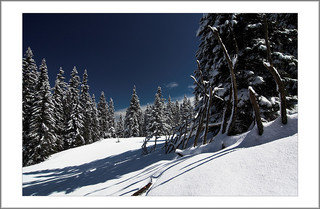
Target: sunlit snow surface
(251,165)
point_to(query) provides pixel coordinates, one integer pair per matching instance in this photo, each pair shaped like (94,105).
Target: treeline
(67,115)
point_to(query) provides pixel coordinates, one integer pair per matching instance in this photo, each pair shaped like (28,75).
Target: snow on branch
(233,80)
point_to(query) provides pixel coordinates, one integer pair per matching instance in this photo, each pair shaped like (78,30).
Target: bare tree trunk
(208,115)
(226,112)
(267,40)
(233,82)
(185,134)
(256,110)
(190,134)
(276,76)
(200,126)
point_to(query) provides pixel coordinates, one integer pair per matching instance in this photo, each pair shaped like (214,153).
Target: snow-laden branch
(233,80)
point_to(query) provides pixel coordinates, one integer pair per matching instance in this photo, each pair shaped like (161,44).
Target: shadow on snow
(70,178)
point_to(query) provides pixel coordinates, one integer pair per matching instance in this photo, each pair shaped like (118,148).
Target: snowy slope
(251,165)
(268,169)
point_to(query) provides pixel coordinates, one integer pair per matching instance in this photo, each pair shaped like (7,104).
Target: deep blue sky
(118,51)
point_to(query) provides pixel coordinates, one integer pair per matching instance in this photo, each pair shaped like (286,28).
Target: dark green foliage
(42,137)
(120,128)
(86,106)
(58,97)
(111,119)
(103,116)
(249,45)
(29,82)
(75,123)
(95,128)
(133,118)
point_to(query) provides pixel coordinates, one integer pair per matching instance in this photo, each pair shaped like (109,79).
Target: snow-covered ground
(252,165)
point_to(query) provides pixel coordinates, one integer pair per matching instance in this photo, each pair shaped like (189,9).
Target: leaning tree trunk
(208,116)
(233,82)
(276,76)
(256,110)
(225,113)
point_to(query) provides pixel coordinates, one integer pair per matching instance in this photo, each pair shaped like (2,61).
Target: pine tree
(42,136)
(176,114)
(29,82)
(169,112)
(147,121)
(111,119)
(243,37)
(120,127)
(133,116)
(103,116)
(94,121)
(186,110)
(85,102)
(58,97)
(158,121)
(75,113)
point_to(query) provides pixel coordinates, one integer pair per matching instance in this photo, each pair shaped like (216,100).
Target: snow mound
(251,165)
(266,170)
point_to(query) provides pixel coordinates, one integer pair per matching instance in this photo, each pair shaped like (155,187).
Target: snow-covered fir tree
(75,123)
(147,121)
(243,36)
(42,137)
(103,116)
(86,106)
(111,119)
(169,112)
(58,98)
(176,114)
(95,128)
(29,82)
(185,110)
(132,121)
(158,123)
(120,127)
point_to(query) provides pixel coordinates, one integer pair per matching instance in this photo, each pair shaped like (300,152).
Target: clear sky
(118,51)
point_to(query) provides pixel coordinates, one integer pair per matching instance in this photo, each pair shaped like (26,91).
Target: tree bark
(199,126)
(226,112)
(208,115)
(256,110)
(233,82)
(276,76)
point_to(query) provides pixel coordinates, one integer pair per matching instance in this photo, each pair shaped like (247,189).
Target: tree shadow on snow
(70,178)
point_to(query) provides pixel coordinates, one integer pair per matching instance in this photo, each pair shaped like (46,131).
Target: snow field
(251,165)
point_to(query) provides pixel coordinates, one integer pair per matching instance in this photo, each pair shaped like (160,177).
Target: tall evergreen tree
(158,120)
(169,112)
(147,121)
(176,114)
(58,97)
(94,120)
(120,127)
(75,112)
(133,116)
(42,132)
(103,116)
(86,106)
(186,110)
(111,119)
(29,82)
